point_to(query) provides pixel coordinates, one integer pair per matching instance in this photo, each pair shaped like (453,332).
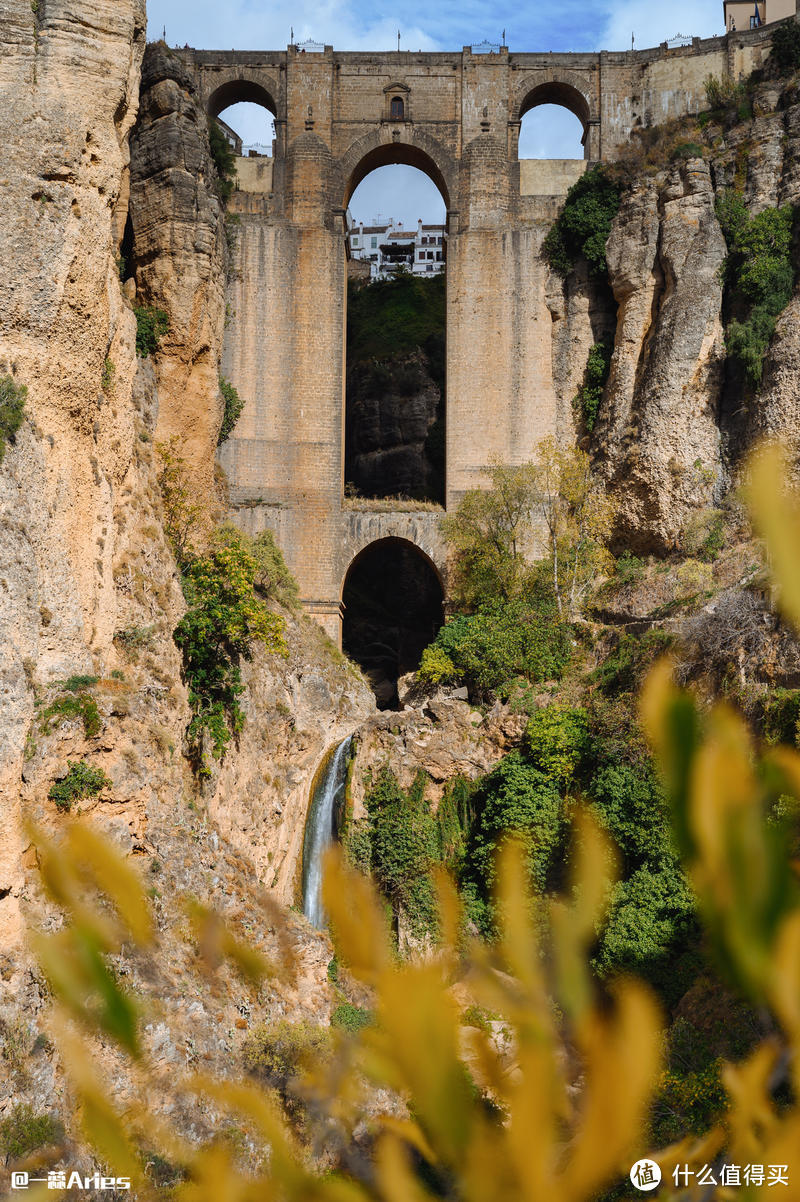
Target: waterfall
(328,785)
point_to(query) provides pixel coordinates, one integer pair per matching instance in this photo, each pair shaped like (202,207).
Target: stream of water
(319,829)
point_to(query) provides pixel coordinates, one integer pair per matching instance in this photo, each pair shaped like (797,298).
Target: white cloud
(652,23)
(243,25)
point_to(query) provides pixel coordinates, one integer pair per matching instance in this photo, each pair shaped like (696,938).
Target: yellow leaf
(776,514)
(622,1061)
(357,918)
(106,1130)
(114,876)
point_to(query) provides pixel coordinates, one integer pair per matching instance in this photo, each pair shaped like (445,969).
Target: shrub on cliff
(759,276)
(582,229)
(22,1131)
(224,160)
(12,410)
(590,393)
(151,326)
(81,780)
(224,619)
(233,409)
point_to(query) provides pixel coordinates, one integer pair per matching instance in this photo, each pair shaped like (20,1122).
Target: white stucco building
(388,247)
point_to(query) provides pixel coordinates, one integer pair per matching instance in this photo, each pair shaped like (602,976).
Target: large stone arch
(399,143)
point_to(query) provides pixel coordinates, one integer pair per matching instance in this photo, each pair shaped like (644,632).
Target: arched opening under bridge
(395,391)
(554,120)
(246,113)
(393,603)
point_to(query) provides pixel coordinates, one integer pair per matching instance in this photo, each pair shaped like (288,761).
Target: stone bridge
(457,118)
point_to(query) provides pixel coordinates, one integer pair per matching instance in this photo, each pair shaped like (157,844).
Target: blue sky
(400,192)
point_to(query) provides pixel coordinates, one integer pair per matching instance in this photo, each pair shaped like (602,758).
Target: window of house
(355,241)
(374,243)
(396,111)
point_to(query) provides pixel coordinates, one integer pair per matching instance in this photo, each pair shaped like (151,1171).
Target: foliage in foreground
(12,410)
(583,227)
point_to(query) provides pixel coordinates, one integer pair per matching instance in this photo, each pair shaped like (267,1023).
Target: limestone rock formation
(442,736)
(178,253)
(296,710)
(657,436)
(69,77)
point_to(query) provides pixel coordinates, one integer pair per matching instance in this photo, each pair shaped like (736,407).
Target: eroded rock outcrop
(69,78)
(178,256)
(442,736)
(297,708)
(657,435)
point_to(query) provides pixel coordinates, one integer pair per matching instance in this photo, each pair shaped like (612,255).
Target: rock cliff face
(442,736)
(88,585)
(69,77)
(675,420)
(177,256)
(392,410)
(296,710)
(658,436)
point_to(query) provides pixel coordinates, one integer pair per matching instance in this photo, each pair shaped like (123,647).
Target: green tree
(403,848)
(577,516)
(487,650)
(489,534)
(583,227)
(519,799)
(224,160)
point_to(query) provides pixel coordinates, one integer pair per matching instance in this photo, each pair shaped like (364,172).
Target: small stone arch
(386,146)
(243,88)
(393,600)
(561,88)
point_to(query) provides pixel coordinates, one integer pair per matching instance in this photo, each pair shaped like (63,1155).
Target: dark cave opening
(393,607)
